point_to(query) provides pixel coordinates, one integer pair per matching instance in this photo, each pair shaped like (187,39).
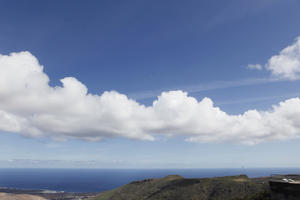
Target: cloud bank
(285,65)
(32,108)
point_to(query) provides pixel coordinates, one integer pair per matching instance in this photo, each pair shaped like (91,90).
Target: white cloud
(255,66)
(286,65)
(29,106)
(215,85)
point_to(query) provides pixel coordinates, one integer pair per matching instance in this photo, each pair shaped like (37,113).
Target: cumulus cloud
(30,107)
(255,66)
(286,64)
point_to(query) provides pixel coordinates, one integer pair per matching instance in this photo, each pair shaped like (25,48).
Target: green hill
(175,187)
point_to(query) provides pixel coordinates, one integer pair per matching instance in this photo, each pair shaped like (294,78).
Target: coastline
(47,194)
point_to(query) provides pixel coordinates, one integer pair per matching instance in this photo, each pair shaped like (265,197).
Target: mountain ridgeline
(174,187)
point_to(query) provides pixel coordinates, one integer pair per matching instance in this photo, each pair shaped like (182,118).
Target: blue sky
(141,49)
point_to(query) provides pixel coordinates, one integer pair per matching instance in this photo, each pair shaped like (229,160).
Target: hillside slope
(175,187)
(6,196)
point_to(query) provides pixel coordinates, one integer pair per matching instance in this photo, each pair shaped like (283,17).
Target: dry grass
(6,196)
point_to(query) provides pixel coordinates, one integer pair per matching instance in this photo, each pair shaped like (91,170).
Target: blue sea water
(97,180)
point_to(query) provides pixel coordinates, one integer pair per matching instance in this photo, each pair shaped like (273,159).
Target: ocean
(98,180)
